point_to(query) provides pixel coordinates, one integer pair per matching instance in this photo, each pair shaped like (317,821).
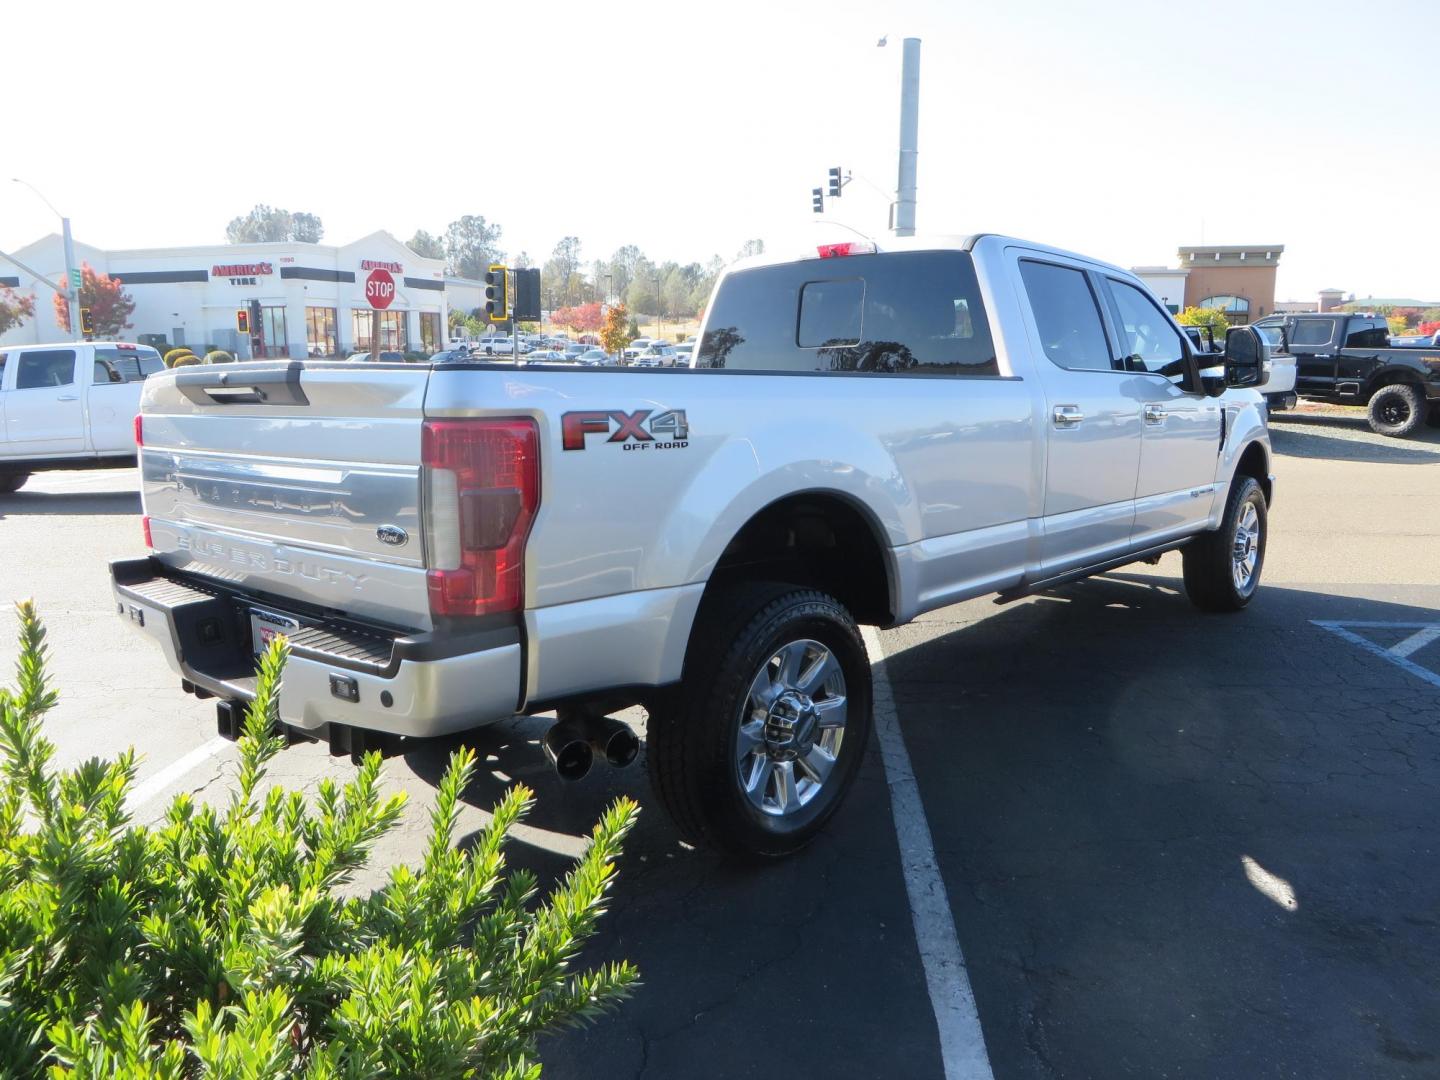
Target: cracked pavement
(1122,793)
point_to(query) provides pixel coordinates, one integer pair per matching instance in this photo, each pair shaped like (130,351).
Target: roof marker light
(850,247)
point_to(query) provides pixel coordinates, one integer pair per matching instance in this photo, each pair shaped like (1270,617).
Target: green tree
(426,246)
(268,224)
(471,245)
(751,247)
(110,305)
(228,940)
(15,308)
(622,269)
(1211,317)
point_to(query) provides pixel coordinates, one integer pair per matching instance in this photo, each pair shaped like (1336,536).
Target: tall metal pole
(909,138)
(70,290)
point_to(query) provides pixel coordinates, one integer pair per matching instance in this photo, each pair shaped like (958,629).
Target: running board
(1147,555)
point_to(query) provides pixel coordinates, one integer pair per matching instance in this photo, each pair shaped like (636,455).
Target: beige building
(1239,279)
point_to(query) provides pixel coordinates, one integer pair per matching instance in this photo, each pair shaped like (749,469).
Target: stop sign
(379,288)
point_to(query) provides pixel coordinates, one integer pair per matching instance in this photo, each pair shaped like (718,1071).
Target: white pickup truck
(865,435)
(70,406)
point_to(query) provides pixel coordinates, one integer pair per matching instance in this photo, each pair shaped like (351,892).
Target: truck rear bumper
(361,676)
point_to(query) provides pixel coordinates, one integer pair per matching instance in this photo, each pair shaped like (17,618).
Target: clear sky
(1119,128)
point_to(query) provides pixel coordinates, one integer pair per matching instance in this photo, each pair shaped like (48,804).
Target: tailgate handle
(244,384)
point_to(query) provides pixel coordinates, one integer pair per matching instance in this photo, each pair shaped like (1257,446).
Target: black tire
(12,482)
(692,736)
(1209,559)
(1396,410)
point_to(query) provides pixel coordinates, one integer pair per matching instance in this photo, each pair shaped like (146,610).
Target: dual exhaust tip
(576,739)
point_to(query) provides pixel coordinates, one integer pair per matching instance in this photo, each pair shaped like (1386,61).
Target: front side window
(1066,316)
(896,313)
(1148,340)
(1311,332)
(43,368)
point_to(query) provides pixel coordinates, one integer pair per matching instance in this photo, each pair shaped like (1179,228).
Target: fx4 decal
(668,430)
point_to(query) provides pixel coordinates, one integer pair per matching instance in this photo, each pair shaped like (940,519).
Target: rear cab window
(893,313)
(1367,334)
(1311,332)
(132,365)
(1067,316)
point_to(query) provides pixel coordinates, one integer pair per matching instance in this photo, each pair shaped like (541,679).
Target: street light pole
(72,291)
(909,138)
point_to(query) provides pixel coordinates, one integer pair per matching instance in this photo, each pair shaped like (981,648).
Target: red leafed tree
(15,308)
(110,305)
(1428,328)
(584,318)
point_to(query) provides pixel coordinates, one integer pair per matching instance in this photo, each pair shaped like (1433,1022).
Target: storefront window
(430,331)
(1236,308)
(320,331)
(272,325)
(393,331)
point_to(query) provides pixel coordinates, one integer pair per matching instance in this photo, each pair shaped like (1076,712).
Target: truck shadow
(1181,841)
(70,503)
(1332,436)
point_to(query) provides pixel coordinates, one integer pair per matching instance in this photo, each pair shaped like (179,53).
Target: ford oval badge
(393,535)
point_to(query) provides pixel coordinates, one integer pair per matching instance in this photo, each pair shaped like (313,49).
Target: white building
(1168,285)
(312,296)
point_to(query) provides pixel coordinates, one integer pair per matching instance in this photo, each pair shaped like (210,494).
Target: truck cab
(1347,359)
(70,405)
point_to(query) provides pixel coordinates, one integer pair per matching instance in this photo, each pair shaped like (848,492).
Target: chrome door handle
(1068,415)
(1155,414)
(68,397)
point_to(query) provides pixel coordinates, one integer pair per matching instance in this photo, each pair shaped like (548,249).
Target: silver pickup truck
(864,435)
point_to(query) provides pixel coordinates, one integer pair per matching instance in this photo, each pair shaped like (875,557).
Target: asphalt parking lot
(1173,845)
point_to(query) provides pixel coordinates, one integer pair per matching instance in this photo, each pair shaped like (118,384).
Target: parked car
(70,405)
(656,354)
(635,348)
(595,356)
(497,345)
(546,356)
(804,477)
(1279,366)
(1347,359)
(683,355)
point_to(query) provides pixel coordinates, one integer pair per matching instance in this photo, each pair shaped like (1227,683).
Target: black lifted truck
(1347,359)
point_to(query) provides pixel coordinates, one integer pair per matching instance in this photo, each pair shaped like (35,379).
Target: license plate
(265,626)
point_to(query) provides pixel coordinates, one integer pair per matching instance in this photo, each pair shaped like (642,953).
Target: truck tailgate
(294,481)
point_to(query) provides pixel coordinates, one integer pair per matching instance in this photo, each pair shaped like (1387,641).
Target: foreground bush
(217,943)
(175,354)
(218,356)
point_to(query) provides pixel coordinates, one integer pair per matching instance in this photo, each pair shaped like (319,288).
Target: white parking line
(1342,629)
(1416,641)
(962,1043)
(143,792)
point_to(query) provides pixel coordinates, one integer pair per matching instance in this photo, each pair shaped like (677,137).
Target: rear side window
(45,367)
(1066,316)
(1311,332)
(897,313)
(1361,336)
(132,364)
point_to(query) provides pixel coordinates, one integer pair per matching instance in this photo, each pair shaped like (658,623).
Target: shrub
(185,361)
(174,354)
(218,356)
(220,942)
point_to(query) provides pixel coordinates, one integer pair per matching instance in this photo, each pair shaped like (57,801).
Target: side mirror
(1245,358)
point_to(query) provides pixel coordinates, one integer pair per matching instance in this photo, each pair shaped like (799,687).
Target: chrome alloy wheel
(792,723)
(1245,552)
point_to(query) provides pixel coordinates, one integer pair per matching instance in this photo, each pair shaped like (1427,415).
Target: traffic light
(497,304)
(835,182)
(87,321)
(817,200)
(242,321)
(526,306)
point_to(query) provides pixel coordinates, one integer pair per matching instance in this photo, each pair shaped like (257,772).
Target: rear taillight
(145,528)
(482,487)
(849,247)
(139,430)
